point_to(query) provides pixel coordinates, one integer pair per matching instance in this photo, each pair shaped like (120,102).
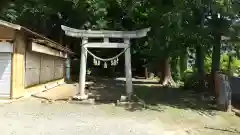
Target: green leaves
(176,24)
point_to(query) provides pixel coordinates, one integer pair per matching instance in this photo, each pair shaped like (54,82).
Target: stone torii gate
(86,34)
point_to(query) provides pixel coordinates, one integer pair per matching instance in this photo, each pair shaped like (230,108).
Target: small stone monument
(224,92)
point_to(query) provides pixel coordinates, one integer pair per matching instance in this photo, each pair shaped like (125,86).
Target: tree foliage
(177,25)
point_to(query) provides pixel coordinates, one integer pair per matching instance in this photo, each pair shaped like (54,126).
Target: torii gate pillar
(128,69)
(85,34)
(83,68)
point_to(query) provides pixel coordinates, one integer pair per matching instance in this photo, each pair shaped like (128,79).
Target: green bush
(192,82)
(207,64)
(187,75)
(235,65)
(191,79)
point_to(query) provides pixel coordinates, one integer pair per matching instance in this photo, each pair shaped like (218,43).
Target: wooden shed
(29,62)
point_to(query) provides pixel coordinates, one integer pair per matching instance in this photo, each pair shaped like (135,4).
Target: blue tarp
(235,86)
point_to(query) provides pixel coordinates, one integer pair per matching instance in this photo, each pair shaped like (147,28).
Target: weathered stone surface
(225,93)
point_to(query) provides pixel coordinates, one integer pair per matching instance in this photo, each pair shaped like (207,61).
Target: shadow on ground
(153,95)
(224,130)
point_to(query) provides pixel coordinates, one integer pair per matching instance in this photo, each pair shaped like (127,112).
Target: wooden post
(68,66)
(106,40)
(146,72)
(83,66)
(18,66)
(128,70)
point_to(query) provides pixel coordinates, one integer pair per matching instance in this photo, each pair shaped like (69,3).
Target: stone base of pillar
(83,102)
(123,98)
(88,101)
(131,105)
(126,98)
(80,97)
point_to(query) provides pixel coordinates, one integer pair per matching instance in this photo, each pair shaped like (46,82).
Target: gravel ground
(34,117)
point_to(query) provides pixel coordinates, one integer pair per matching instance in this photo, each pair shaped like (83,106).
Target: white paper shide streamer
(97,60)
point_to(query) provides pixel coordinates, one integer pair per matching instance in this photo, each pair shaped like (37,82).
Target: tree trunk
(216,54)
(199,60)
(230,59)
(175,68)
(200,67)
(238,53)
(166,75)
(183,63)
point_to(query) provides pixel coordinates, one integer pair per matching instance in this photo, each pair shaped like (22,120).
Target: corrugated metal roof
(45,40)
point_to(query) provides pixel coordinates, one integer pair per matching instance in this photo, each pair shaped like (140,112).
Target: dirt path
(168,113)
(61,118)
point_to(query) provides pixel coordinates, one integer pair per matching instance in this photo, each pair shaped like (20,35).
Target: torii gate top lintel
(104,33)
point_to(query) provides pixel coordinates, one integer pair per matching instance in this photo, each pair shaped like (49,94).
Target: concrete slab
(62,92)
